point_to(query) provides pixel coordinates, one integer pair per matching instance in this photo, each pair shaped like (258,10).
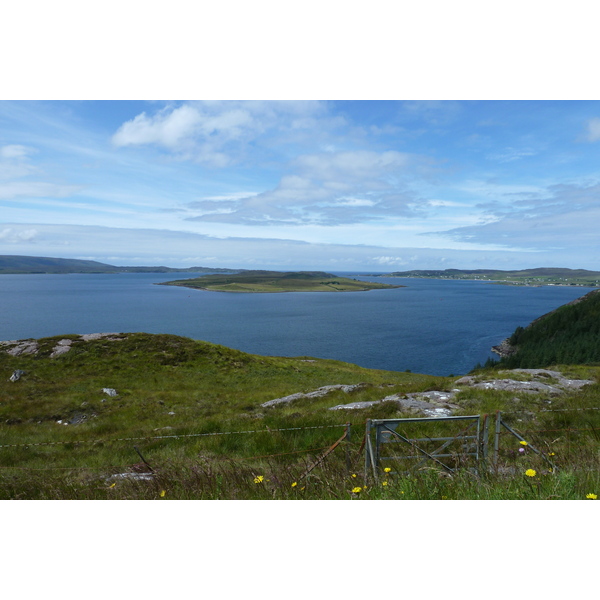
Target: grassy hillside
(570,334)
(542,276)
(187,419)
(12,264)
(276,281)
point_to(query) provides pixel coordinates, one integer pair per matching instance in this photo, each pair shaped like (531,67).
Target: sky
(336,185)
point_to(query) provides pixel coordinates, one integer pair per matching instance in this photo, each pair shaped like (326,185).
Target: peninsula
(276,281)
(528,277)
(35,265)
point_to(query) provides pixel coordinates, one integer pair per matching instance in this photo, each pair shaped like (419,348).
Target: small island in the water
(276,281)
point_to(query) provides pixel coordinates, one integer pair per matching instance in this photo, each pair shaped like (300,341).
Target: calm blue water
(431,326)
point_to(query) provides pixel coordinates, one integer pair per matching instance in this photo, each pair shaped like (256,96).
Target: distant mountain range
(41,264)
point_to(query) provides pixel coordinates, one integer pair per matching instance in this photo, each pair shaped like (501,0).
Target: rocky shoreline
(504,349)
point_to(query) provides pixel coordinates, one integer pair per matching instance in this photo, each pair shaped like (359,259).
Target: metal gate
(453,441)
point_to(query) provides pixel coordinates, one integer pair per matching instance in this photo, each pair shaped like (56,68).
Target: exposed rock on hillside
(24,347)
(436,403)
(318,393)
(430,404)
(504,349)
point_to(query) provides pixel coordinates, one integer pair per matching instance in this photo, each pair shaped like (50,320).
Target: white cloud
(593,130)
(172,248)
(219,133)
(171,127)
(563,216)
(15,151)
(329,189)
(511,154)
(13,163)
(15,236)
(35,189)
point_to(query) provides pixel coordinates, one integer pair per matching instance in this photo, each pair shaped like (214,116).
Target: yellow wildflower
(162,494)
(356,490)
(387,469)
(591,496)
(551,454)
(523,443)
(112,485)
(384,483)
(258,479)
(294,484)
(353,474)
(530,473)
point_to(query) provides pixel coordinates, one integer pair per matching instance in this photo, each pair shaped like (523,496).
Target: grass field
(187,417)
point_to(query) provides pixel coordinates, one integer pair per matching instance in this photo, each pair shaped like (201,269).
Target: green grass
(275,281)
(176,394)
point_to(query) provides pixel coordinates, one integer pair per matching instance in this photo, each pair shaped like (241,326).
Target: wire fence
(164,437)
(75,443)
(526,430)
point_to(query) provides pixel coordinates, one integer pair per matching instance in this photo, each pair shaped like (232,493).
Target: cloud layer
(448,178)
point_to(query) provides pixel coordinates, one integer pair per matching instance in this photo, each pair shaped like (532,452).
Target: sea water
(440,327)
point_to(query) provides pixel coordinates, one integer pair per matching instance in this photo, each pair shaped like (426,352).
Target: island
(277,281)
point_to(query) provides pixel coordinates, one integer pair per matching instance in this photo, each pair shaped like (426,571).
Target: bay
(440,327)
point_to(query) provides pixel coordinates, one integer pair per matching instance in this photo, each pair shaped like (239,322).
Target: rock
(110,392)
(511,385)
(24,347)
(132,476)
(356,405)
(504,349)
(17,375)
(62,347)
(411,402)
(78,419)
(89,337)
(318,393)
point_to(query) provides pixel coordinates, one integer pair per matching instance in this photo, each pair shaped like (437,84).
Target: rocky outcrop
(430,404)
(62,347)
(318,393)
(32,347)
(539,382)
(21,347)
(439,403)
(504,349)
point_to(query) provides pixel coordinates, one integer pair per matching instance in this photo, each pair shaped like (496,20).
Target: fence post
(368,451)
(486,438)
(348,464)
(497,440)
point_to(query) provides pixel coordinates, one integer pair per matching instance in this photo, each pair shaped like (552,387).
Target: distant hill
(540,276)
(568,335)
(12,264)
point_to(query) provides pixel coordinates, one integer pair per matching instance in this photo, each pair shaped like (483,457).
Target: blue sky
(380,185)
(335,185)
